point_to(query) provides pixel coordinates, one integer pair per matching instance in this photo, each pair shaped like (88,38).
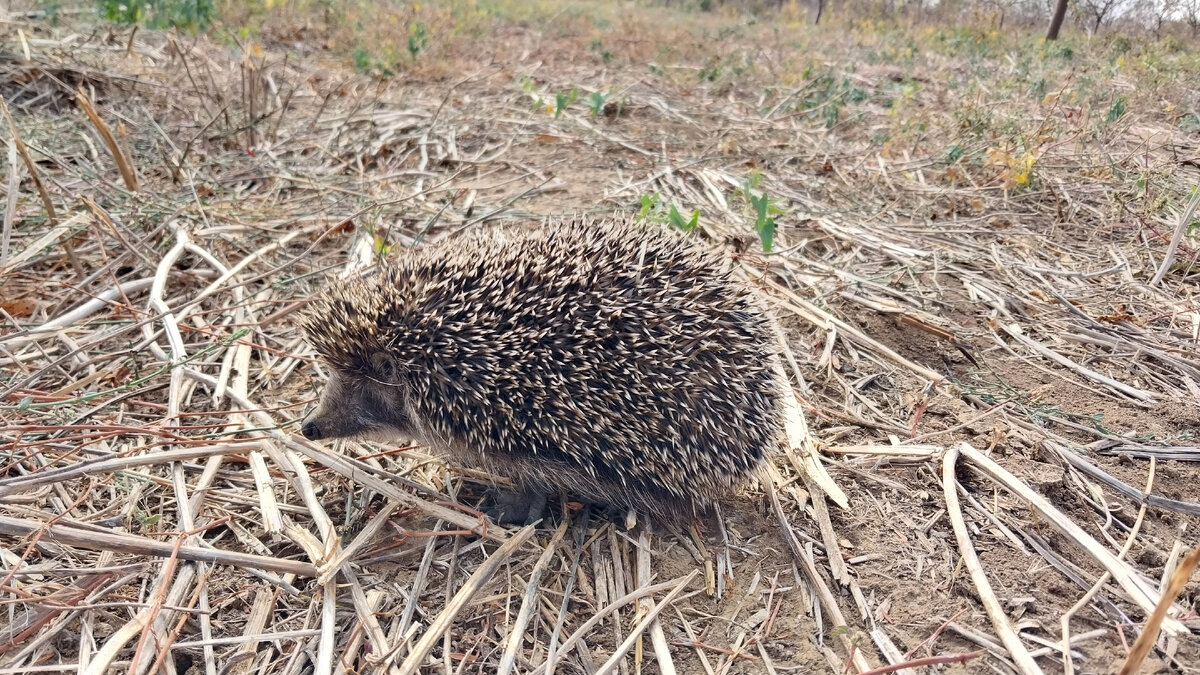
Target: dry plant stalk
(825,596)
(1141,646)
(676,587)
(10,209)
(1138,588)
(1068,659)
(95,540)
(658,639)
(34,174)
(648,618)
(123,163)
(472,586)
(1016,649)
(1181,228)
(529,601)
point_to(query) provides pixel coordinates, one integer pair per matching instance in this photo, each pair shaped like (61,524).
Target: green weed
(191,15)
(953,154)
(596,102)
(764,210)
(563,100)
(416,38)
(655,211)
(605,55)
(1116,111)
(371,64)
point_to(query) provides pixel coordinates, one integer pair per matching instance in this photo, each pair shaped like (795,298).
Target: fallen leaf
(20,307)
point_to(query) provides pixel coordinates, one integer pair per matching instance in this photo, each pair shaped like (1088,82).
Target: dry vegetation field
(982,250)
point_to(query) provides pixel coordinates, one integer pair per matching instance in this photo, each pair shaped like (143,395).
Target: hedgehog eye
(384,367)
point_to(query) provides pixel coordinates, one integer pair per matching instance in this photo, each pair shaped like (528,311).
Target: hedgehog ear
(385,367)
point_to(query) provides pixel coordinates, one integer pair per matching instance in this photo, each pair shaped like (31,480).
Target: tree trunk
(1056,22)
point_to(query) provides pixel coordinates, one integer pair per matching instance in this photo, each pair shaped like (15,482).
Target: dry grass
(985,265)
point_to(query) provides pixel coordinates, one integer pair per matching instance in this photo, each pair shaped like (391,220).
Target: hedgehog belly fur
(617,360)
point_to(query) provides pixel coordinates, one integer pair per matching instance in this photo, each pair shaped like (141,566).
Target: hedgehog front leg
(517,506)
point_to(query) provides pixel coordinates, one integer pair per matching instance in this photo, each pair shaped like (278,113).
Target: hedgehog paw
(517,507)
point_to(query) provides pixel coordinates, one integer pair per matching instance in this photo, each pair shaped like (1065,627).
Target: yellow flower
(1021,168)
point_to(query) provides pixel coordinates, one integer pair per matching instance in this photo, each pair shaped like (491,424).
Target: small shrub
(416,39)
(1038,89)
(193,15)
(374,65)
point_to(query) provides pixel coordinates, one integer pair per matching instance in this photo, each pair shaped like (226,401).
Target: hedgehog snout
(311,431)
(357,406)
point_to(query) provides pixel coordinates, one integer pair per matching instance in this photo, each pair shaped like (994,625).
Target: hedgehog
(618,361)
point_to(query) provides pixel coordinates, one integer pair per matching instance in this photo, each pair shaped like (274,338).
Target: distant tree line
(1091,16)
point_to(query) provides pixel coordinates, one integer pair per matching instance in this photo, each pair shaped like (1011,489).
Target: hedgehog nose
(311,431)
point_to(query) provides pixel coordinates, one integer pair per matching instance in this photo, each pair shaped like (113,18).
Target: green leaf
(761,205)
(674,217)
(1117,111)
(766,233)
(830,116)
(362,60)
(381,245)
(647,205)
(416,39)
(954,153)
(597,102)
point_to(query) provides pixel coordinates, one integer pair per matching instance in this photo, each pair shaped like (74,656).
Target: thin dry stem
(1012,641)
(118,155)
